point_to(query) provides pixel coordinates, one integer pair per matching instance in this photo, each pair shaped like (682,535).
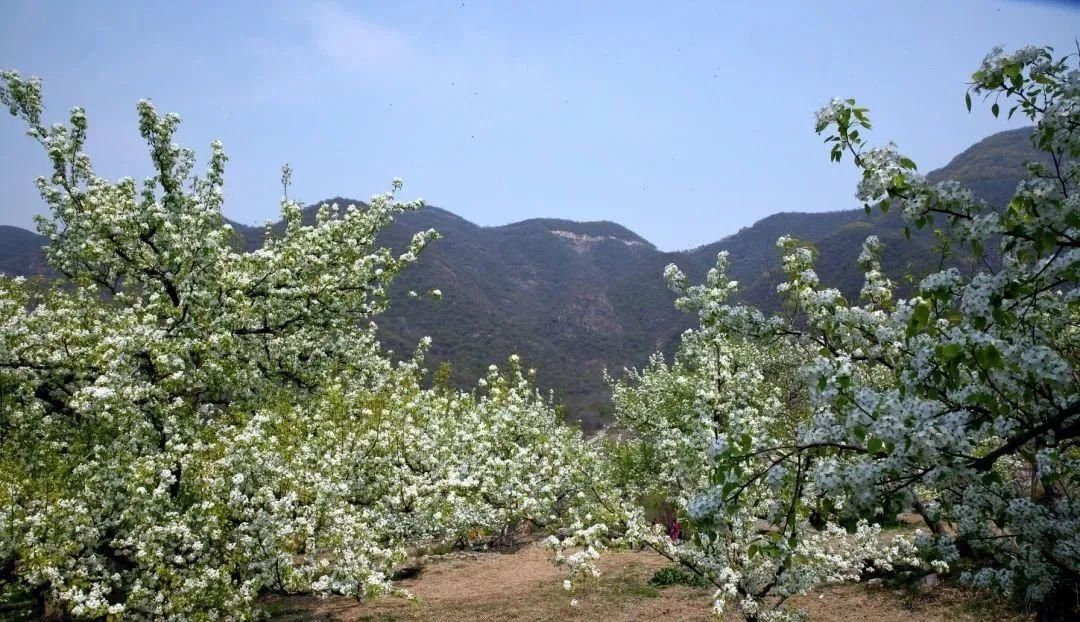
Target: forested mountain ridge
(575,298)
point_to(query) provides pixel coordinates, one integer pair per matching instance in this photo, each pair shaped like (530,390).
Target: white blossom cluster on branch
(186,426)
(782,444)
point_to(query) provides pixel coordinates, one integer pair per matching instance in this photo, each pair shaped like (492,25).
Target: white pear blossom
(185,426)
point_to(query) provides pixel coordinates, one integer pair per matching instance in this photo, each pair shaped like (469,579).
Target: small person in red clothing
(674,530)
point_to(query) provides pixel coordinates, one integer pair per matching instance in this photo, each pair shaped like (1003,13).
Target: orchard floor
(525,586)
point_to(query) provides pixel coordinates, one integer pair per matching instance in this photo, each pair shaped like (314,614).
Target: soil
(525,585)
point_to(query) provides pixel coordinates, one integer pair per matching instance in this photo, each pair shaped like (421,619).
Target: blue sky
(682,121)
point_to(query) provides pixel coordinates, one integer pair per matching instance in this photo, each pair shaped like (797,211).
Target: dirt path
(525,586)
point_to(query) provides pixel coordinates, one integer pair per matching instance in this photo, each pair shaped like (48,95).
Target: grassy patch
(677,575)
(632,586)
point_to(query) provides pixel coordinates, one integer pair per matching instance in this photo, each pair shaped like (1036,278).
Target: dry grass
(524,585)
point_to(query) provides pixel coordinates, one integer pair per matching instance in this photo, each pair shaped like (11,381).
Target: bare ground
(525,585)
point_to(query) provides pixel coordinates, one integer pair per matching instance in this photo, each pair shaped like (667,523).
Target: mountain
(576,298)
(571,298)
(20,252)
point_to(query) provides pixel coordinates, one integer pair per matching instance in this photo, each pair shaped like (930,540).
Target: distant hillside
(574,298)
(991,168)
(20,251)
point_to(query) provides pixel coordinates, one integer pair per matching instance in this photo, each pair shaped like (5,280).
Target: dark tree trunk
(1062,605)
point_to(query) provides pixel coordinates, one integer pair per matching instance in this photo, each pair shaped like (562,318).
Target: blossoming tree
(978,424)
(960,403)
(185,426)
(714,434)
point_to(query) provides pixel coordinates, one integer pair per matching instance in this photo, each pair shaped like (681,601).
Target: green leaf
(949,351)
(1049,239)
(920,317)
(921,314)
(995,109)
(989,357)
(1001,316)
(967,100)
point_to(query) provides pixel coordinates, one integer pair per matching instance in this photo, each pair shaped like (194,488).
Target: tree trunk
(1062,605)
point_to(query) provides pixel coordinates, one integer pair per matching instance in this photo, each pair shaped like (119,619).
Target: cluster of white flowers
(187,426)
(707,437)
(829,113)
(961,404)
(963,392)
(943,282)
(882,166)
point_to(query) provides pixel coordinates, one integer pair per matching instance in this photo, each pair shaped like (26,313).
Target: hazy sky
(682,121)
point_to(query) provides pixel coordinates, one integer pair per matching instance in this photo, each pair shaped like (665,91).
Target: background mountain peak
(576,298)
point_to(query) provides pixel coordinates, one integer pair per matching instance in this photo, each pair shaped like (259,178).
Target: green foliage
(631,586)
(677,575)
